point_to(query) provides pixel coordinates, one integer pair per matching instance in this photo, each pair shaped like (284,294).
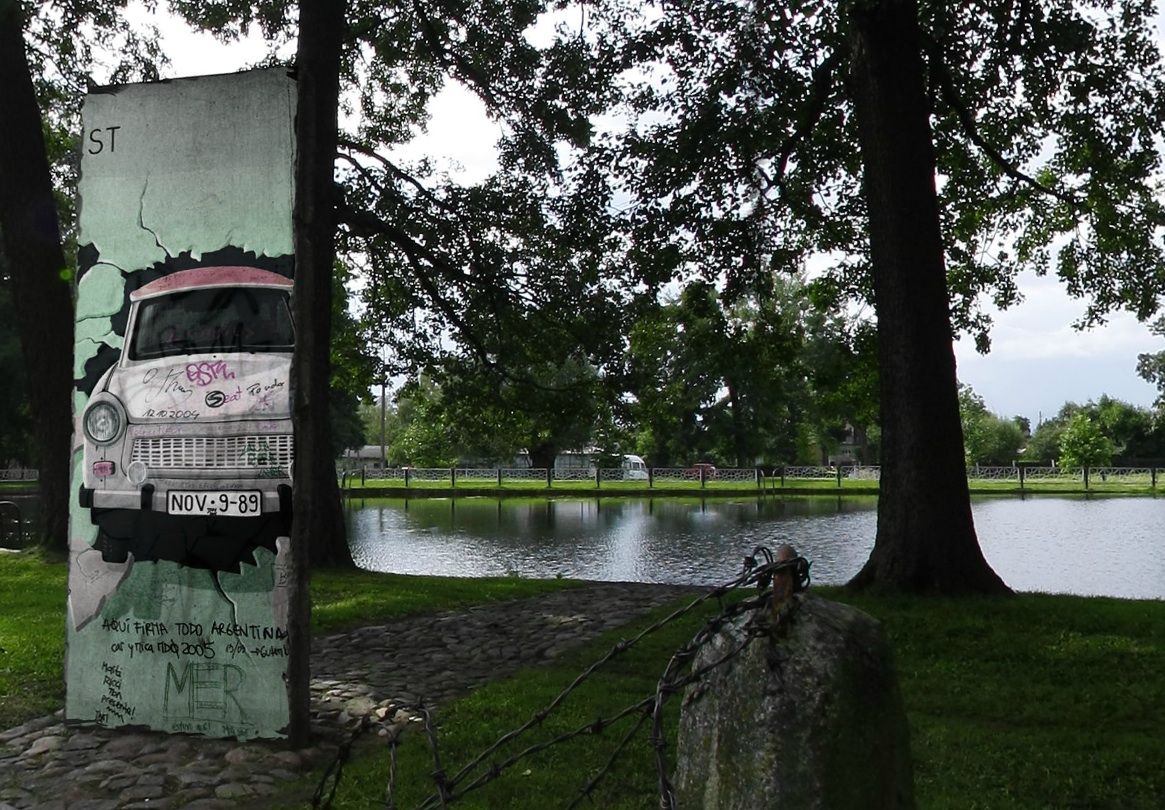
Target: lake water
(1085,546)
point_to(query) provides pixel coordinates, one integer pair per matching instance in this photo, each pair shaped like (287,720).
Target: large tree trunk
(40,286)
(318,536)
(319,517)
(739,430)
(926,539)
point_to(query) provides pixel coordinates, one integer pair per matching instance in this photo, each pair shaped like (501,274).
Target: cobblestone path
(378,671)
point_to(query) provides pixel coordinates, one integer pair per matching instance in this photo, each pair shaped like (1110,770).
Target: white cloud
(194,53)
(1038,361)
(459,136)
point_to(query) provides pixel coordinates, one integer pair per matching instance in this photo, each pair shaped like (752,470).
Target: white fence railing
(18,474)
(779,477)
(470,476)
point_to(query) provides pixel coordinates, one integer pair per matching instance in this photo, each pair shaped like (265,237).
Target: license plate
(215,502)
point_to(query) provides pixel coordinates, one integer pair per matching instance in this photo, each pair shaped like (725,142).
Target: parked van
(634,468)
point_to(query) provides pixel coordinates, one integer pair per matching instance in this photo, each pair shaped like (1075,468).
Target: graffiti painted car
(193,421)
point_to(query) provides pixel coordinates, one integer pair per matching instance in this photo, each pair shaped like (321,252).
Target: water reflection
(1088,546)
(639,540)
(1084,546)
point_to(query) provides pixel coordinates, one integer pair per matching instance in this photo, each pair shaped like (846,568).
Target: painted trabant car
(194,419)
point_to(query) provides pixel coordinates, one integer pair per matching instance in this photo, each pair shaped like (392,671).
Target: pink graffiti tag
(205,373)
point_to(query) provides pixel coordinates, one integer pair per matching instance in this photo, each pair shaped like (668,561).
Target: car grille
(214,452)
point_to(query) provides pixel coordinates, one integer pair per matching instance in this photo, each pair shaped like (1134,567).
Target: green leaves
(987,438)
(1047,134)
(740,153)
(759,379)
(646,144)
(1132,434)
(1083,444)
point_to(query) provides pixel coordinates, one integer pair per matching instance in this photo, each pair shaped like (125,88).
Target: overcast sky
(1037,361)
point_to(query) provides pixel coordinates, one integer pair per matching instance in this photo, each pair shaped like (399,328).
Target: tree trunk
(542,456)
(318,536)
(926,539)
(319,514)
(40,286)
(739,431)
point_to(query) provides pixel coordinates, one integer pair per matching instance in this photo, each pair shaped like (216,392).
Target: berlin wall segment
(180,524)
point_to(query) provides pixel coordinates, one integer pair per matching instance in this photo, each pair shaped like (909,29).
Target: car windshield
(221,319)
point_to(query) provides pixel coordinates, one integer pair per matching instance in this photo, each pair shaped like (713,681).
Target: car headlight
(103,422)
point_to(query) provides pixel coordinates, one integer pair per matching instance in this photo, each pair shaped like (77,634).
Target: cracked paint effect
(171,173)
(100,296)
(135,151)
(142,220)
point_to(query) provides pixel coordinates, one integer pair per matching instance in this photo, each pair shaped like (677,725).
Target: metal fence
(1087,477)
(1019,475)
(517,476)
(790,476)
(18,474)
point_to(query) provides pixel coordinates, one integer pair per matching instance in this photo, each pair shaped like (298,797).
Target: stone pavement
(380,672)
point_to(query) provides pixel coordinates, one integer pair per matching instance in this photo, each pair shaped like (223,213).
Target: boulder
(808,716)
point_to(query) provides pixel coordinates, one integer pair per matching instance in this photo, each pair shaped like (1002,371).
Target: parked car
(702,471)
(190,430)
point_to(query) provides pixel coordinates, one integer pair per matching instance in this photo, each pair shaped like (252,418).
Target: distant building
(852,449)
(369,457)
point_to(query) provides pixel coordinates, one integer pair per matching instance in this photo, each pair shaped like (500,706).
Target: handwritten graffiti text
(208,371)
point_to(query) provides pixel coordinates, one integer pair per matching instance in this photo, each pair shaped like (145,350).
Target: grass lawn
(1035,701)
(32,618)
(32,637)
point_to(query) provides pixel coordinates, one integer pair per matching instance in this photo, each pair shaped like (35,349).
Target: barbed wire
(335,770)
(775,576)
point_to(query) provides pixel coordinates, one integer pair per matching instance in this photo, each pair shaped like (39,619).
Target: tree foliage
(1151,365)
(508,292)
(354,369)
(841,361)
(765,380)
(745,130)
(1083,444)
(419,437)
(987,437)
(735,145)
(1134,435)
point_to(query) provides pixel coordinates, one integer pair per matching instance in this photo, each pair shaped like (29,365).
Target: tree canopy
(647,144)
(987,438)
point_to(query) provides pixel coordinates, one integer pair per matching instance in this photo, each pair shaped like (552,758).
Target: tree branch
(366,224)
(390,168)
(821,88)
(454,61)
(952,97)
